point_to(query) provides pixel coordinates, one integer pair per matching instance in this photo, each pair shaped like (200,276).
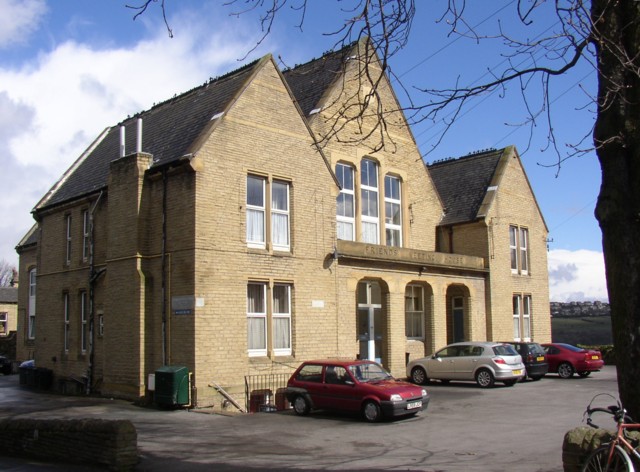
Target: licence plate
(595,358)
(517,372)
(540,359)
(412,405)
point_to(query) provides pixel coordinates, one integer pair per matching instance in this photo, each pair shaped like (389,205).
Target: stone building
(235,230)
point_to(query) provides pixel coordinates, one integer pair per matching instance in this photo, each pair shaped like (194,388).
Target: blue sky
(70,68)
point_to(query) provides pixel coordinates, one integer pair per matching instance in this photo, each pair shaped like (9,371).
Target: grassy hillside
(591,331)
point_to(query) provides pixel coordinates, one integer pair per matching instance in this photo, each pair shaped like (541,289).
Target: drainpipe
(93,277)
(164,266)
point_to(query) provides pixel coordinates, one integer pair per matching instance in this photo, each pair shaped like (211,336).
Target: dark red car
(353,386)
(566,359)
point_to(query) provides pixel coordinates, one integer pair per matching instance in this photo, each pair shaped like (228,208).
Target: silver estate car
(482,362)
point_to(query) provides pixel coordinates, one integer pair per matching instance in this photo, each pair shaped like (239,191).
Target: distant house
(8,310)
(214,232)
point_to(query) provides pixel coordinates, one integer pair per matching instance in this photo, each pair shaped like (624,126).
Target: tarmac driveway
(464,429)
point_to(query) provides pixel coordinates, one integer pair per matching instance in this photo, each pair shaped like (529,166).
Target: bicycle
(617,455)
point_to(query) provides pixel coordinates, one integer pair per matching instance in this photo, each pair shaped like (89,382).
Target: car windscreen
(571,348)
(505,350)
(368,372)
(310,373)
(535,349)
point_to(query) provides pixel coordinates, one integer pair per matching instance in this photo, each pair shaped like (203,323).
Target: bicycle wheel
(597,461)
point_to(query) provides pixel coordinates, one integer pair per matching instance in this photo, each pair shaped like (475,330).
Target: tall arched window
(345,203)
(31,324)
(369,203)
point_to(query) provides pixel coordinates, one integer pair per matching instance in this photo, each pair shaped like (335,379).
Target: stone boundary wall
(108,443)
(580,441)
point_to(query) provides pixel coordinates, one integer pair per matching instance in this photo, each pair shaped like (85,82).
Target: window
(279,210)
(519,249)
(269,323)
(68,240)
(345,205)
(4,323)
(31,325)
(393,211)
(100,325)
(414,312)
(522,317)
(255,212)
(281,319)
(369,203)
(83,322)
(85,235)
(280,215)
(67,321)
(257,319)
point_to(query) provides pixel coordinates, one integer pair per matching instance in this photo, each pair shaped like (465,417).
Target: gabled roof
(463,184)
(169,129)
(8,294)
(309,81)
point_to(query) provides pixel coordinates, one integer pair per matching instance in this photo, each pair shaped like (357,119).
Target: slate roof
(8,294)
(462,184)
(169,129)
(309,81)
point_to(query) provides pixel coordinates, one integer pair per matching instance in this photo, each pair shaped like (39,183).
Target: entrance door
(370,321)
(457,311)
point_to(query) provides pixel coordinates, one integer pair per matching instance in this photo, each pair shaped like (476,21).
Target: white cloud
(53,106)
(19,19)
(576,275)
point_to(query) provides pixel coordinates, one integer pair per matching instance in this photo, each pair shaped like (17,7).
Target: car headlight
(424,392)
(396,398)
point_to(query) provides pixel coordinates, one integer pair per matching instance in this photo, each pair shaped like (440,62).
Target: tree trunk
(617,137)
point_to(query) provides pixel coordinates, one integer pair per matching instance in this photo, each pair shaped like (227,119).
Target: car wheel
(301,405)
(510,383)
(565,370)
(419,376)
(586,373)
(484,378)
(371,411)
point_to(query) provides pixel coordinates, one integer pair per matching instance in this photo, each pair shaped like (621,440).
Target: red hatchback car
(566,359)
(353,386)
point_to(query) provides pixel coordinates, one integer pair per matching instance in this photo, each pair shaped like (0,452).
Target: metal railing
(265,392)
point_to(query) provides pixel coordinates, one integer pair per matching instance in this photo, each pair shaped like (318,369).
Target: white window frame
(390,201)
(68,239)
(86,225)
(4,323)
(284,315)
(523,241)
(517,310)
(345,223)
(366,188)
(100,324)
(67,321)
(513,248)
(257,315)
(526,317)
(414,292)
(31,325)
(254,239)
(281,242)
(84,322)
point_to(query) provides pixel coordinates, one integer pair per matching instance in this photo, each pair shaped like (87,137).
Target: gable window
(4,322)
(369,203)
(67,239)
(255,211)
(280,215)
(414,312)
(67,321)
(521,317)
(519,249)
(83,322)
(85,235)
(345,204)
(393,211)
(31,325)
(259,208)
